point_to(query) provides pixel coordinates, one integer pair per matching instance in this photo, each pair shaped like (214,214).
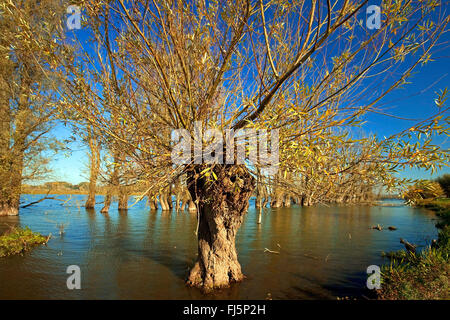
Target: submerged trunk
(164,201)
(113,186)
(107,202)
(153,203)
(277,200)
(222,202)
(94,169)
(123,198)
(191,206)
(7,209)
(12,183)
(10,193)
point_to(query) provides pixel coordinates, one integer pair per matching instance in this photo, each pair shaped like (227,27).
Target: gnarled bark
(222,202)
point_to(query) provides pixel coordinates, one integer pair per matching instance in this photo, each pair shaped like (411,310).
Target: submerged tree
(298,66)
(94,166)
(28,101)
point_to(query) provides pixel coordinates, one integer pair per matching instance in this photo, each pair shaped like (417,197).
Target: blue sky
(415,100)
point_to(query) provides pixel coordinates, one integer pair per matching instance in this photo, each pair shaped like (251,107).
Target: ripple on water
(323,251)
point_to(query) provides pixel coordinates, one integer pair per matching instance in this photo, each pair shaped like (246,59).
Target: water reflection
(143,254)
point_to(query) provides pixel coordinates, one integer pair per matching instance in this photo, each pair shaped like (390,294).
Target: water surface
(323,251)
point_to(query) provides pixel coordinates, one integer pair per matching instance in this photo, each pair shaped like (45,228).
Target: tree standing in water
(303,67)
(28,101)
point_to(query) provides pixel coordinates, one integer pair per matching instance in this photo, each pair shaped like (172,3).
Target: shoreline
(425,274)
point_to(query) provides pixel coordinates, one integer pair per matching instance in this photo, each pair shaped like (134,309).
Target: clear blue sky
(416,100)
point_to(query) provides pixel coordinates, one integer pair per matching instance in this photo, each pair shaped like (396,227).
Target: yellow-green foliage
(18,240)
(444,181)
(423,190)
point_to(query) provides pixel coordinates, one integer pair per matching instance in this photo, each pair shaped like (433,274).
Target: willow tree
(94,166)
(245,65)
(27,96)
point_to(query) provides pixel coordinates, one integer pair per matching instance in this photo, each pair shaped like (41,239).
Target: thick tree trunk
(277,200)
(187,201)
(222,202)
(113,186)
(12,184)
(8,209)
(277,196)
(123,198)
(163,201)
(94,169)
(287,200)
(178,201)
(191,206)
(265,201)
(153,203)
(107,202)
(9,204)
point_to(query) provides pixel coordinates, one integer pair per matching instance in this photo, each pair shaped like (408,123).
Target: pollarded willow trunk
(222,203)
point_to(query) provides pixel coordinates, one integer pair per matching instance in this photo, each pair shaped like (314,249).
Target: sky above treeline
(413,102)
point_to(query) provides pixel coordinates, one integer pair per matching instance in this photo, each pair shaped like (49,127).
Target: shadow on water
(356,287)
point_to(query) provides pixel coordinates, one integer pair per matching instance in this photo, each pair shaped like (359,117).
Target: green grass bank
(422,275)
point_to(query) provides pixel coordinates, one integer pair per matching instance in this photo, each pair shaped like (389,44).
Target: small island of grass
(20,240)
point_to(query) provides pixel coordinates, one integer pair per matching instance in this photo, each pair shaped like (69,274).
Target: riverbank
(423,275)
(18,241)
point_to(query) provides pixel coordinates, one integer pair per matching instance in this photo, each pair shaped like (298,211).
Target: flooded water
(324,252)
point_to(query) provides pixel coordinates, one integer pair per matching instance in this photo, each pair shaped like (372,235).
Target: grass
(424,275)
(18,241)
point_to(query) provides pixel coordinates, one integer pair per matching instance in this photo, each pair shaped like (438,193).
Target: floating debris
(309,256)
(377,227)
(271,251)
(410,247)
